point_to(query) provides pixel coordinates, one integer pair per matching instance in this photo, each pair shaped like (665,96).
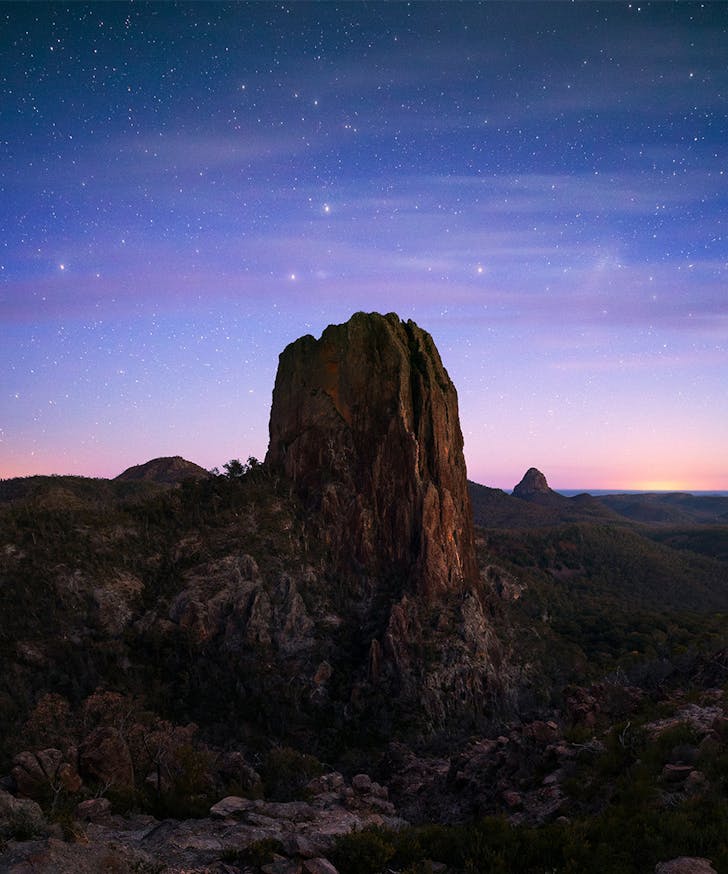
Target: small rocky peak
(173,469)
(532,485)
(365,424)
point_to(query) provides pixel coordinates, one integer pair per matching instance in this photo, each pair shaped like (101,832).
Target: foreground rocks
(519,773)
(300,834)
(525,774)
(685,865)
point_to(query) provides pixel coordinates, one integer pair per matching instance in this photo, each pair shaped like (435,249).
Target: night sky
(185,188)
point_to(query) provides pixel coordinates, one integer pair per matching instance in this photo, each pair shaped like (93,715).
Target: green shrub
(256,854)
(363,852)
(286,773)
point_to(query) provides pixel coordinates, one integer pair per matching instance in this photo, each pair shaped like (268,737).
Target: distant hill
(172,469)
(58,491)
(669,507)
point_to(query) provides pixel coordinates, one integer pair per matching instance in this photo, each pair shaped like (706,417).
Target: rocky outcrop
(519,774)
(533,483)
(303,833)
(365,424)
(534,487)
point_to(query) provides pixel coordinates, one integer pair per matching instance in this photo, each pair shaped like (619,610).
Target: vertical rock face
(365,423)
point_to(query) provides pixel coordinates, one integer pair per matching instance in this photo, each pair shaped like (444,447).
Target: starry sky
(185,188)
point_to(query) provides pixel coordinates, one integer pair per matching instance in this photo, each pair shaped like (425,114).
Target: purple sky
(186,188)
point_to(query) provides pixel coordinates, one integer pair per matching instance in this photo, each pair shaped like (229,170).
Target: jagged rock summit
(172,469)
(533,483)
(534,488)
(365,423)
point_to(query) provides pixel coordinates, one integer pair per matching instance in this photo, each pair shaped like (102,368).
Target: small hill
(172,469)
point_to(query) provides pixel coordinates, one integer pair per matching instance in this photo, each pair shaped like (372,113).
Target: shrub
(286,773)
(257,854)
(363,852)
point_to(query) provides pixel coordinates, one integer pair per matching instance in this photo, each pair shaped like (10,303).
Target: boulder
(361,783)
(93,810)
(676,773)
(20,818)
(319,866)
(231,807)
(43,772)
(281,865)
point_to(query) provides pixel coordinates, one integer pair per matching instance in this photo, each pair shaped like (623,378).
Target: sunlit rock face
(365,423)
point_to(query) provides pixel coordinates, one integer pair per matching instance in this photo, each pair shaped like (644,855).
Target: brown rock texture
(365,423)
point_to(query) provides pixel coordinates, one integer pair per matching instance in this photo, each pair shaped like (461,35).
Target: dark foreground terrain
(319,663)
(186,686)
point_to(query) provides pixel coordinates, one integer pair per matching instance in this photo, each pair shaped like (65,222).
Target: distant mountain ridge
(534,502)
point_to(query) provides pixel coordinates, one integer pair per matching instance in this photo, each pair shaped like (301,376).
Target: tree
(234,468)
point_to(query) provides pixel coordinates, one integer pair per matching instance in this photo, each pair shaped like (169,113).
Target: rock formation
(365,423)
(533,483)
(533,487)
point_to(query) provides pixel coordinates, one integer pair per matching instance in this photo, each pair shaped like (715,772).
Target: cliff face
(365,423)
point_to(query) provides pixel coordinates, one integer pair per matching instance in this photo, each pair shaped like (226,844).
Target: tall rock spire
(365,423)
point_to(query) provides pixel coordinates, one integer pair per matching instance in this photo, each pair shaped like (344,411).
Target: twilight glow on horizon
(185,188)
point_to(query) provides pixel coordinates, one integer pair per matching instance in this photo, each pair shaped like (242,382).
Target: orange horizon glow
(664,486)
(560,478)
